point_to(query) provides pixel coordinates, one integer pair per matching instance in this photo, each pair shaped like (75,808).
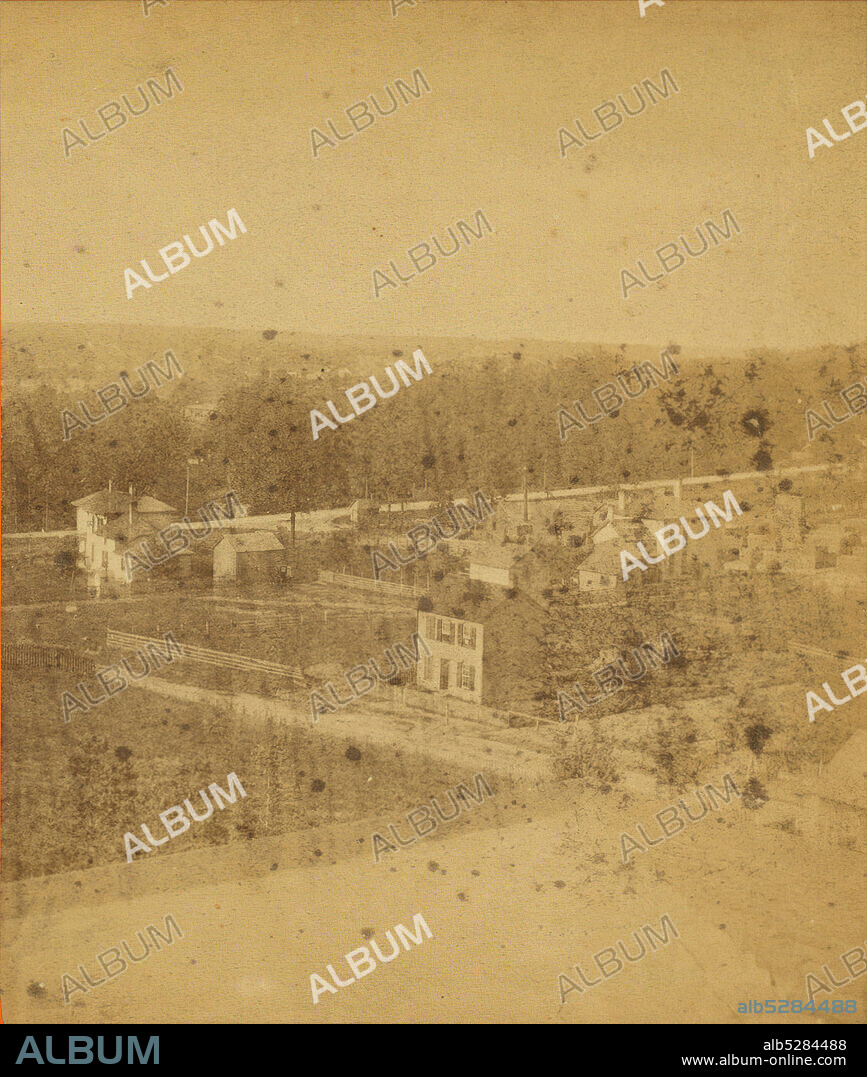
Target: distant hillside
(93,355)
(486,417)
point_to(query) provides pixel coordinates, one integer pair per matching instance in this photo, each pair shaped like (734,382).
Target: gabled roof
(252,541)
(495,556)
(606,558)
(104,502)
(142,527)
(146,503)
(630,528)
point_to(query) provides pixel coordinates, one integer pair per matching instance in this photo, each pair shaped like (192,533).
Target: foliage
(480,425)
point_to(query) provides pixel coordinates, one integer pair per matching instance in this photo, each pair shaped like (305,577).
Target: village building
(490,651)
(455,663)
(108,523)
(97,510)
(128,540)
(618,527)
(117,542)
(539,518)
(601,570)
(248,557)
(495,566)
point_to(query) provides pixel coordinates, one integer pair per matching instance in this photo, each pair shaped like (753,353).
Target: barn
(249,556)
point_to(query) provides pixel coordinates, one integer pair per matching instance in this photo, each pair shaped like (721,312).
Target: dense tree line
(484,425)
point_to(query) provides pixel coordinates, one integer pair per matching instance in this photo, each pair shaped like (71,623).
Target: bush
(589,759)
(65,560)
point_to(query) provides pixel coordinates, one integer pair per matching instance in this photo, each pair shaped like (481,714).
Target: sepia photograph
(538,694)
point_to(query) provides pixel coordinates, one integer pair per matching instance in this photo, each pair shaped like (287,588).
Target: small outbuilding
(248,556)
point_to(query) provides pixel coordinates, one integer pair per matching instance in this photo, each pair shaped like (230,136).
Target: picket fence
(38,656)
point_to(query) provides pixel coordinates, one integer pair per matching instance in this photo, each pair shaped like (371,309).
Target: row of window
(465,674)
(443,630)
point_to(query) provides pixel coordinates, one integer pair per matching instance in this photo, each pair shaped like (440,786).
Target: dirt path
(457,742)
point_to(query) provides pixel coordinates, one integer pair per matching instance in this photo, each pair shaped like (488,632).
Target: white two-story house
(455,664)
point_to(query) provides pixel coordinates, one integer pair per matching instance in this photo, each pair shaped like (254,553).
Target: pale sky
(504,76)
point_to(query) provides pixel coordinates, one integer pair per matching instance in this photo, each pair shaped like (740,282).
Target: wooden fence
(365,584)
(38,656)
(223,659)
(406,699)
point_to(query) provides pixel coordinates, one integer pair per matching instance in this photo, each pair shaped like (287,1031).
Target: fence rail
(38,535)
(38,656)
(366,584)
(406,700)
(223,659)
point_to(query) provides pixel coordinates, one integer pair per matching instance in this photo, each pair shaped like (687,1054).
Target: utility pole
(194,462)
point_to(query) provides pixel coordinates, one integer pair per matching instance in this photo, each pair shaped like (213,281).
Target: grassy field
(72,790)
(317,632)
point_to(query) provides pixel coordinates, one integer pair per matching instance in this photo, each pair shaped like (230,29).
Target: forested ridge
(483,419)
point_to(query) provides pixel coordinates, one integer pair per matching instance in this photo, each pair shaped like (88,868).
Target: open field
(80,786)
(308,627)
